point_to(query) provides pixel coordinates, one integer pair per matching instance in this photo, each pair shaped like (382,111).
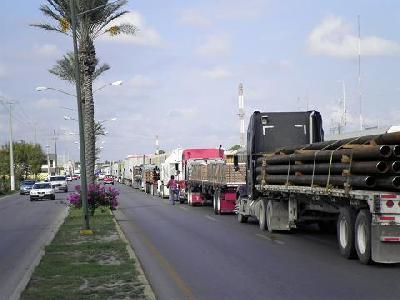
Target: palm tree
(94,22)
(65,69)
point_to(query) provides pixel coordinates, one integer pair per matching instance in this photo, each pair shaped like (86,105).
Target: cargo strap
(288,172)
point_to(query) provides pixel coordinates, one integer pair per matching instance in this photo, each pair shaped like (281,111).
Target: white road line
(264,237)
(211,218)
(183,207)
(272,239)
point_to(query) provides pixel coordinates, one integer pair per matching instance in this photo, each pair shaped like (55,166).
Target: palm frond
(100,70)
(48,27)
(65,68)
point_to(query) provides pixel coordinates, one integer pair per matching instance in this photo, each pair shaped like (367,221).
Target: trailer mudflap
(280,215)
(385,243)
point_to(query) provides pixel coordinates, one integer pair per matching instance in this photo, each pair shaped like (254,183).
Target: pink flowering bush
(98,195)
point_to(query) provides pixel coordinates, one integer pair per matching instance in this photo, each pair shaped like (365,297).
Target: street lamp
(115,83)
(43,88)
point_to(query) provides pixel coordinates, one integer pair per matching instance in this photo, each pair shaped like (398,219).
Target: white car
(42,190)
(59,183)
(101,176)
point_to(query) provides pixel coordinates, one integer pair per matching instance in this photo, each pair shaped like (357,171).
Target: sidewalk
(98,266)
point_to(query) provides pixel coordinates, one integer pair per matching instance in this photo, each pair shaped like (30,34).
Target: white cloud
(47,50)
(47,103)
(194,19)
(335,37)
(217,72)
(145,36)
(215,45)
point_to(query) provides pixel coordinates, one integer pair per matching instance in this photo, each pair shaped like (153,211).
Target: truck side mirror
(236,162)
(176,167)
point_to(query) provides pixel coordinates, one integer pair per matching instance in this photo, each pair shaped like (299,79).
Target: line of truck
(288,176)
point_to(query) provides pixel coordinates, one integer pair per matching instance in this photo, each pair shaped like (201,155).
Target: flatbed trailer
(367,222)
(216,181)
(222,195)
(365,214)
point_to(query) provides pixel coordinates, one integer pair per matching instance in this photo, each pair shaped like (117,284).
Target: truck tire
(268,216)
(262,220)
(345,232)
(242,218)
(215,203)
(189,196)
(363,236)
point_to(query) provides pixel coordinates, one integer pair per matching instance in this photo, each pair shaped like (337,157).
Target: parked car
(42,190)
(101,176)
(59,183)
(108,179)
(74,177)
(25,187)
(69,178)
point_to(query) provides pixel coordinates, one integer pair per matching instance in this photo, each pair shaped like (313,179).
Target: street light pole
(80,118)
(55,151)
(12,176)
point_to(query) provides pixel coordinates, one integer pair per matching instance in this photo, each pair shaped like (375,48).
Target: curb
(148,291)
(29,271)
(7,196)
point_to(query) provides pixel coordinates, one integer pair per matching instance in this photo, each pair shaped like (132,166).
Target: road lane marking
(211,218)
(183,207)
(270,238)
(162,261)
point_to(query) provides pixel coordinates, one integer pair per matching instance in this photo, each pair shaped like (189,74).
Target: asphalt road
(25,227)
(189,253)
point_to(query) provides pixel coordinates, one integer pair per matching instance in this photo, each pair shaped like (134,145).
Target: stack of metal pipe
(368,162)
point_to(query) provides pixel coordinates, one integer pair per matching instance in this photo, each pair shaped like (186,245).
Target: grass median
(76,266)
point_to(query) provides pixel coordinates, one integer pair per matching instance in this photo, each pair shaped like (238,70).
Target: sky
(182,69)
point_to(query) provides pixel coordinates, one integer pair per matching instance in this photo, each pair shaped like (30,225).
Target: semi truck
(171,166)
(216,180)
(191,157)
(364,209)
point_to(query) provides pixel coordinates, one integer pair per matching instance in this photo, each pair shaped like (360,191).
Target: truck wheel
(242,218)
(345,232)
(269,215)
(53,197)
(215,203)
(189,196)
(262,217)
(363,236)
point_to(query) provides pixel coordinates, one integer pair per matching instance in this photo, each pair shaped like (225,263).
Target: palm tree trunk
(88,64)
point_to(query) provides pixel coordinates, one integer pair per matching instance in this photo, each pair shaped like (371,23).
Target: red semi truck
(215,181)
(190,156)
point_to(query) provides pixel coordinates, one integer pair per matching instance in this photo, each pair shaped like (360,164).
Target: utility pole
(12,176)
(48,161)
(72,4)
(241,116)
(55,150)
(359,73)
